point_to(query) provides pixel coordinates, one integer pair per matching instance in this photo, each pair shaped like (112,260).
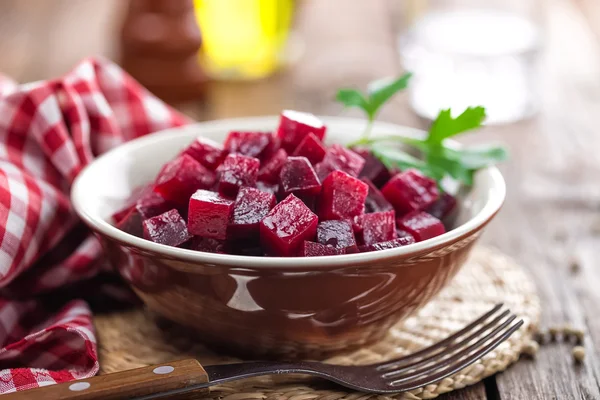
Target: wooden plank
(552,180)
(475,392)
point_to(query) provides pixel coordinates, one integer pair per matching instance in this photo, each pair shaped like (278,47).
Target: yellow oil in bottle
(242,39)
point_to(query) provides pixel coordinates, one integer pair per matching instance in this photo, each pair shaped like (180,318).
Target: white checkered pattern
(48,132)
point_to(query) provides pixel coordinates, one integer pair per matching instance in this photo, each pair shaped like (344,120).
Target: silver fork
(418,369)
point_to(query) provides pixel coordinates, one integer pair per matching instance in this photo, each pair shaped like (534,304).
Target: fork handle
(122,385)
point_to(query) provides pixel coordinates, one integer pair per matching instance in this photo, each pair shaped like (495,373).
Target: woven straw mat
(133,339)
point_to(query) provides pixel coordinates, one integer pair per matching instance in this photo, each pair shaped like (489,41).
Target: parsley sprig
(436,159)
(378,93)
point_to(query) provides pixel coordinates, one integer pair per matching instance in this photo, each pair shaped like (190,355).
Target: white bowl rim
(492,206)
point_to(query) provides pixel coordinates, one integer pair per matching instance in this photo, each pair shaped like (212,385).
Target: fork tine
(448,351)
(447,357)
(432,376)
(417,356)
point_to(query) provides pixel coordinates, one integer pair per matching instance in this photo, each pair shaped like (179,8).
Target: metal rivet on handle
(165,369)
(77,386)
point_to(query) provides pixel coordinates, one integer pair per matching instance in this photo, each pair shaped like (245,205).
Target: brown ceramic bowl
(271,306)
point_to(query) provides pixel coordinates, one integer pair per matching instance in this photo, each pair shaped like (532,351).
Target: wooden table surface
(551,219)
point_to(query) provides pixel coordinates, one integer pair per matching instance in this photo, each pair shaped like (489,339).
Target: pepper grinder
(160,40)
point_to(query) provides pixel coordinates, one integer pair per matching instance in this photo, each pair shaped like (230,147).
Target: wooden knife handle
(122,385)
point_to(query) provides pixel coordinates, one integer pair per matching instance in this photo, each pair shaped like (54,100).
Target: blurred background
(462,52)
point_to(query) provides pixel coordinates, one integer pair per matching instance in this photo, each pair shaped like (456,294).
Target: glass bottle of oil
(242,39)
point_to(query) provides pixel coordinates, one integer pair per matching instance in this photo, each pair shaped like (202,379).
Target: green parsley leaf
(352,98)
(382,90)
(445,126)
(476,157)
(378,93)
(437,160)
(393,157)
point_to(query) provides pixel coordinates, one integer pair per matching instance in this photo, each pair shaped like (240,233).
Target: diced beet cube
(206,152)
(272,188)
(340,158)
(251,144)
(443,207)
(421,225)
(237,171)
(272,148)
(378,227)
(269,172)
(390,244)
(297,176)
(167,228)
(294,126)
(131,201)
(251,206)
(207,245)
(181,177)
(342,197)
(148,204)
(132,223)
(312,249)
(287,226)
(323,170)
(375,201)
(410,191)
(373,170)
(311,148)
(209,214)
(337,234)
(153,204)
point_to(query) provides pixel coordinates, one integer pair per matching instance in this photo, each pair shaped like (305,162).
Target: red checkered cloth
(48,131)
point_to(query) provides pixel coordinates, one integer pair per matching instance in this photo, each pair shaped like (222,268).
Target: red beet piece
(443,207)
(343,159)
(342,197)
(287,226)
(167,228)
(311,148)
(207,245)
(323,170)
(294,126)
(152,204)
(206,152)
(390,244)
(132,223)
(131,201)
(375,201)
(237,171)
(147,202)
(251,206)
(269,172)
(297,176)
(337,234)
(373,170)
(409,191)
(312,249)
(181,177)
(209,214)
(272,188)
(421,225)
(251,144)
(378,227)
